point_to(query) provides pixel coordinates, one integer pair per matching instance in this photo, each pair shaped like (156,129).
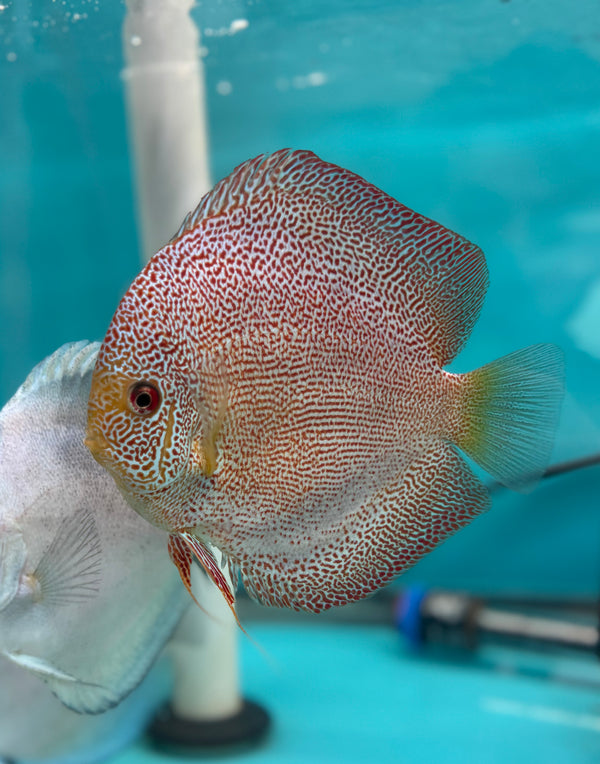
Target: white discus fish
(36,727)
(88,595)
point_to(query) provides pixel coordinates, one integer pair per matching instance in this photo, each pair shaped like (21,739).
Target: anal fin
(435,496)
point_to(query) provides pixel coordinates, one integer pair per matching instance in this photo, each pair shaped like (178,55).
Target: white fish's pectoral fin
(80,696)
(183,547)
(435,496)
(70,569)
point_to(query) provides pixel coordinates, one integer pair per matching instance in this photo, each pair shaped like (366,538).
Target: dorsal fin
(405,254)
(255,176)
(70,365)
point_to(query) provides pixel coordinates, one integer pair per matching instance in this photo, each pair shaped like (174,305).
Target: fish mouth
(103,452)
(96,443)
(101,449)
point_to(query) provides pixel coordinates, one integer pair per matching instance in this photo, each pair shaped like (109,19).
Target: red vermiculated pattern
(296,327)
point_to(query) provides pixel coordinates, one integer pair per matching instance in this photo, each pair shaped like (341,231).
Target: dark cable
(561,468)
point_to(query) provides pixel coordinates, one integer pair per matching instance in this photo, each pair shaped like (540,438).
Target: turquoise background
(482,114)
(357,695)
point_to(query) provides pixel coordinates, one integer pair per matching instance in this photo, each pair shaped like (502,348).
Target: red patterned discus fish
(272,384)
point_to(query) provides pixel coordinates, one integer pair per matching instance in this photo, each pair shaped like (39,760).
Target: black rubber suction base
(184,737)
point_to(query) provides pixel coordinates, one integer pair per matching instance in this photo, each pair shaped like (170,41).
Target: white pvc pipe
(167,125)
(205,657)
(166,114)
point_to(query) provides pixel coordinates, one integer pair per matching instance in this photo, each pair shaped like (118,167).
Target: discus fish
(88,596)
(272,384)
(36,727)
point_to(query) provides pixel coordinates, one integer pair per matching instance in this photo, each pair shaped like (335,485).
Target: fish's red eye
(144,398)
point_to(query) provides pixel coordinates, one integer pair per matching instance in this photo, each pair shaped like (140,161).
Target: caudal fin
(510,412)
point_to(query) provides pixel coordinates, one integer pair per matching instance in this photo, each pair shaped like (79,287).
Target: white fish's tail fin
(509,414)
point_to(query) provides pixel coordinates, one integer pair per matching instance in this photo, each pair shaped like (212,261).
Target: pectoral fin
(70,572)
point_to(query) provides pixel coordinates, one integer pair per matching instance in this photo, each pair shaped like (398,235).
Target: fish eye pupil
(144,398)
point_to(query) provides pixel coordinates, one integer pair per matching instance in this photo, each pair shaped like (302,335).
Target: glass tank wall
(481,114)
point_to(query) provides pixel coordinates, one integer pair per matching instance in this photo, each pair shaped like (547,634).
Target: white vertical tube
(204,650)
(166,113)
(167,124)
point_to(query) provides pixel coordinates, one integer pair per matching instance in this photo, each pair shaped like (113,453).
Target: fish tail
(509,412)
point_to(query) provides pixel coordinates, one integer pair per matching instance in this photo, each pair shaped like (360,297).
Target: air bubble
(224,88)
(237,25)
